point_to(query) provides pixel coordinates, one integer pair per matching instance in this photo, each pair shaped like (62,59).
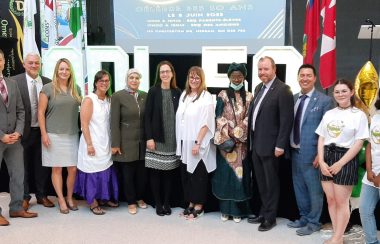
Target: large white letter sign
(212,56)
(141,62)
(95,55)
(287,55)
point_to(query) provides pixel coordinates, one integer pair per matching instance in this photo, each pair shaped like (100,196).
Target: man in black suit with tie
(270,123)
(30,84)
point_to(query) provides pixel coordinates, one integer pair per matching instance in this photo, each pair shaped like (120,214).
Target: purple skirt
(100,185)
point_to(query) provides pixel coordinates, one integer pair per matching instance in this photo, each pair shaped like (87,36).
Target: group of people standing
(134,136)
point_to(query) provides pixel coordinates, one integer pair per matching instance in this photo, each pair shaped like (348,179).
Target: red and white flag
(327,64)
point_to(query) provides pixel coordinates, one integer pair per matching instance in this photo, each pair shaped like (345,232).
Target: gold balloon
(366,84)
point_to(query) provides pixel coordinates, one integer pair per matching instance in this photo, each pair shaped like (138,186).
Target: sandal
(196,213)
(187,211)
(97,210)
(73,207)
(109,204)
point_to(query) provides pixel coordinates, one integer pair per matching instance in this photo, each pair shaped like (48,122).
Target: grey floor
(118,226)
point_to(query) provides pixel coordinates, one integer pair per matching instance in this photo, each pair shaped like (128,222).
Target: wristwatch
(197,143)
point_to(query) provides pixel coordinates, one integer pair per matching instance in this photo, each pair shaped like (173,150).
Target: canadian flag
(327,64)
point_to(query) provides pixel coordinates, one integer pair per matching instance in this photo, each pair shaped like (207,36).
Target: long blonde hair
(71,83)
(195,70)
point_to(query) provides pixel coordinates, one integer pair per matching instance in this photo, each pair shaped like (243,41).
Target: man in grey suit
(270,123)
(310,106)
(12,117)
(30,84)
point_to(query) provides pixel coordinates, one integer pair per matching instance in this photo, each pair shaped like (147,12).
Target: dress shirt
(39,85)
(307,100)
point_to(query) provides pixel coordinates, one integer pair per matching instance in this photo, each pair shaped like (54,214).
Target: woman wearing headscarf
(231,181)
(128,144)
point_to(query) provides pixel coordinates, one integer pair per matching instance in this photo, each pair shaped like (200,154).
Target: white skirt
(62,152)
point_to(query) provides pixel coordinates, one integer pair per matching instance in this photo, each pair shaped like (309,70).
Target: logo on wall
(17,7)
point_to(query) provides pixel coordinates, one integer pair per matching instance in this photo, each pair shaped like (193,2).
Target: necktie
(3,90)
(34,103)
(297,120)
(259,95)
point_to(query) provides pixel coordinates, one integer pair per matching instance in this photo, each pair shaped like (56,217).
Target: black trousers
(33,165)
(268,183)
(161,183)
(132,180)
(195,184)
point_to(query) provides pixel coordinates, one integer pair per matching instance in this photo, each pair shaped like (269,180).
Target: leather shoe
(22,214)
(3,221)
(256,220)
(267,225)
(25,204)
(160,211)
(45,202)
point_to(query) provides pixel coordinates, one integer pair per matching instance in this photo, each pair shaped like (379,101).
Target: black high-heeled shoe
(160,211)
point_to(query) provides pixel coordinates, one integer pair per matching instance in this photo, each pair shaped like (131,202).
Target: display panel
(184,26)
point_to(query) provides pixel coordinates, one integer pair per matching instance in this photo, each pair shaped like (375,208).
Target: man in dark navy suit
(270,123)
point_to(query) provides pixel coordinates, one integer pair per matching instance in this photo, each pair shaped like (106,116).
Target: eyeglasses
(104,81)
(165,72)
(194,78)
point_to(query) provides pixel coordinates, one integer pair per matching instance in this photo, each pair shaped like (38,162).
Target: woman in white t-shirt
(370,193)
(195,127)
(342,132)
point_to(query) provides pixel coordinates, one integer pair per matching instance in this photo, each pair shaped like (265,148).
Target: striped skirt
(348,175)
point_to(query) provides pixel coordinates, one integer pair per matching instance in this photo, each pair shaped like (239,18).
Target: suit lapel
(313,100)
(23,87)
(269,93)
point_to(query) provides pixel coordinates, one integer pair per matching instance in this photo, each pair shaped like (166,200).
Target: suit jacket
(318,105)
(274,119)
(12,115)
(23,86)
(127,126)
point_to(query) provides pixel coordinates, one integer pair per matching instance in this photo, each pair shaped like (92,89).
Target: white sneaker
(224,217)
(237,219)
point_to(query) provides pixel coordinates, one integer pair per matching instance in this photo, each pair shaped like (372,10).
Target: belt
(35,128)
(334,148)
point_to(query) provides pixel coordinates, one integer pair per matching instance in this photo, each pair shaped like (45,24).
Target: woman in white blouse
(195,126)
(342,132)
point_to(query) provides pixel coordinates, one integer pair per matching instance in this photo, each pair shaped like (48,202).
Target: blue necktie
(297,120)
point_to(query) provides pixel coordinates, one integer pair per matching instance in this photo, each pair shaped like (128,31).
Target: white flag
(49,32)
(29,45)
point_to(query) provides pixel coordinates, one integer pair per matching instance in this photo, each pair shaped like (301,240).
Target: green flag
(76,15)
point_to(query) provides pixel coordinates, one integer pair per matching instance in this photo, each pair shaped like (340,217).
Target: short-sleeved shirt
(343,127)
(374,138)
(62,111)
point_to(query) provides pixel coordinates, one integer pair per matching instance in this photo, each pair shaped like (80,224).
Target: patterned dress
(164,157)
(231,182)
